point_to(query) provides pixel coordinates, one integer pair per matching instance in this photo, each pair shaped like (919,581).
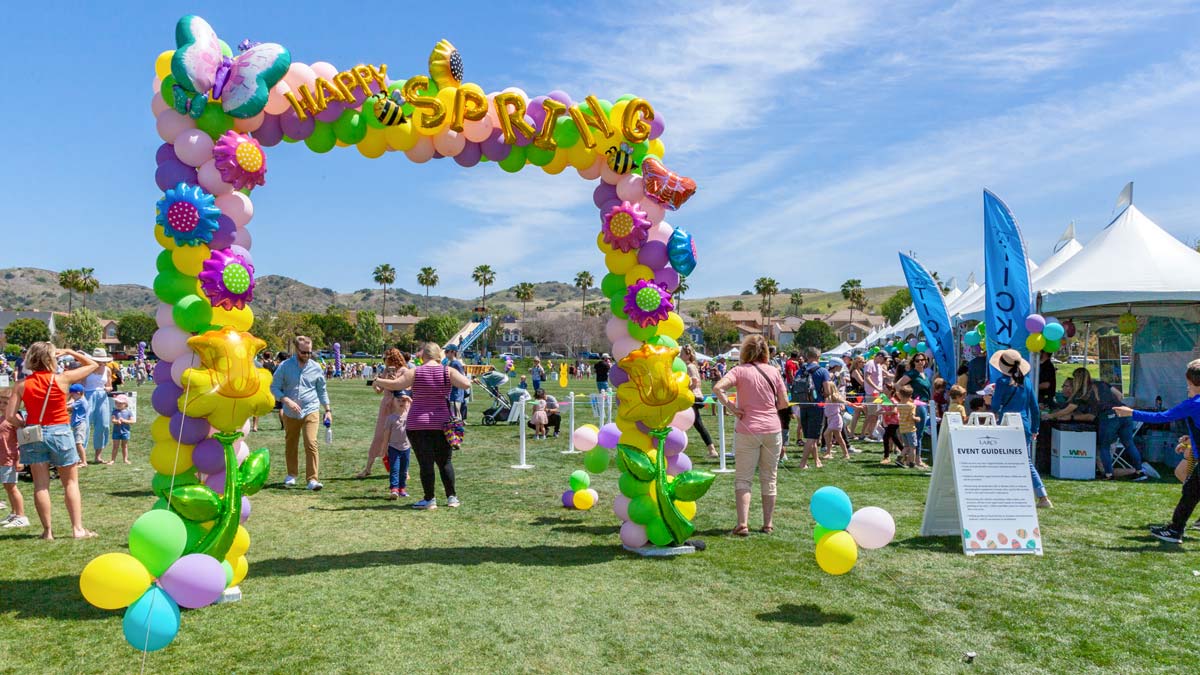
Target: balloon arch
(216,112)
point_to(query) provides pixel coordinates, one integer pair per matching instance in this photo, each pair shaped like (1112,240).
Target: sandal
(87,534)
(361,475)
(767,529)
(740,531)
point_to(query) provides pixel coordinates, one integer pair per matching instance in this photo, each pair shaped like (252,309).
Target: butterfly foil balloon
(203,73)
(665,186)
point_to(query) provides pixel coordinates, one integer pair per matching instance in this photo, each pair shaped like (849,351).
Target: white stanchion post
(521,463)
(721,431)
(571,429)
(610,407)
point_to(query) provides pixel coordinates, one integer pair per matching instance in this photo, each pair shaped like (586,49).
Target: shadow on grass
(139,494)
(805,615)
(949,543)
(574,526)
(530,556)
(55,598)
(1146,543)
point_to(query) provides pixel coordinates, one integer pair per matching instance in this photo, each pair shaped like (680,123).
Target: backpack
(802,388)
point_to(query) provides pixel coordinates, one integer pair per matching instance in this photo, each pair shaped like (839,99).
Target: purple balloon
(676,442)
(438,155)
(162,373)
(617,376)
(470,155)
(653,254)
(270,133)
(216,481)
(209,456)
(296,128)
(165,398)
(522,139)
(331,113)
(633,535)
(677,464)
(603,194)
(536,112)
(226,230)
(656,125)
(495,148)
(568,499)
(560,96)
(165,152)
(245,509)
(608,206)
(667,276)
(195,580)
(1034,323)
(609,436)
(188,430)
(172,173)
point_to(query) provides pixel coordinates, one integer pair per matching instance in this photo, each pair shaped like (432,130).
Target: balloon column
(337,359)
(1045,335)
(841,530)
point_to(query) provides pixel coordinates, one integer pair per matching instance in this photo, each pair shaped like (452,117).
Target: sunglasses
(308,353)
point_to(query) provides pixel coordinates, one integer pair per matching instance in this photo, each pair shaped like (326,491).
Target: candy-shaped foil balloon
(665,186)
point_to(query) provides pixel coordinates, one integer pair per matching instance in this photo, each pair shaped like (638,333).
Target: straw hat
(1009,362)
(100,355)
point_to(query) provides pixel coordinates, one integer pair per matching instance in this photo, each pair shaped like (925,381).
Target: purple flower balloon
(165,398)
(617,376)
(173,172)
(188,430)
(296,128)
(209,456)
(270,133)
(165,152)
(195,580)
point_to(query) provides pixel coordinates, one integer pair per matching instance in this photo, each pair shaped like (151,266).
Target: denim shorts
(120,433)
(81,433)
(909,438)
(8,475)
(57,447)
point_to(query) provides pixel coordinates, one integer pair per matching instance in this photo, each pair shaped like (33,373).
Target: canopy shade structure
(1132,263)
(972,308)
(843,348)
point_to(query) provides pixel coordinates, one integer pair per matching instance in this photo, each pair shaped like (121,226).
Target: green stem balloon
(680,527)
(220,538)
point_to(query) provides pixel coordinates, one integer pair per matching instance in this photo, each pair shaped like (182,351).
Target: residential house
(513,341)
(691,327)
(397,324)
(108,337)
(785,328)
(852,326)
(749,322)
(7,317)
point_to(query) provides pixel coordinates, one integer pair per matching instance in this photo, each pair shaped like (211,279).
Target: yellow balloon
(240,569)
(237,319)
(619,262)
(241,544)
(584,500)
(837,552)
(637,440)
(401,137)
(636,273)
(189,260)
(168,462)
(374,144)
(114,580)
(656,148)
(163,240)
(672,327)
(559,162)
(341,144)
(616,115)
(592,427)
(580,156)
(162,64)
(687,509)
(160,430)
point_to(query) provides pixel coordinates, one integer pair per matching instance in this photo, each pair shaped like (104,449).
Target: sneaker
(13,520)
(1150,471)
(1044,503)
(453,502)
(402,492)
(1196,525)
(290,481)
(315,486)
(1140,477)
(394,494)
(1167,533)
(3,506)
(425,505)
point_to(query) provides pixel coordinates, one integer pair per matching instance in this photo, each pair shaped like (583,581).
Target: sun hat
(121,398)
(987,391)
(100,355)
(1009,362)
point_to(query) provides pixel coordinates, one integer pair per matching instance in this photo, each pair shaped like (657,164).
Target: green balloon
(194,533)
(288,139)
(349,127)
(167,90)
(613,285)
(643,510)
(368,113)
(515,160)
(637,332)
(538,156)
(322,139)
(1052,346)
(157,539)
(580,480)
(164,264)
(225,50)
(678,365)
(162,482)
(632,487)
(606,106)
(819,531)
(213,121)
(160,504)
(566,134)
(663,341)
(192,313)
(639,153)
(626,97)
(596,460)
(657,530)
(617,305)
(171,286)
(228,572)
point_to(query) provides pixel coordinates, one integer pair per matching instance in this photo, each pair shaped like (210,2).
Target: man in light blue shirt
(299,383)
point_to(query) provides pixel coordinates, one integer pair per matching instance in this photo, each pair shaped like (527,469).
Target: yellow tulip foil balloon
(654,393)
(228,389)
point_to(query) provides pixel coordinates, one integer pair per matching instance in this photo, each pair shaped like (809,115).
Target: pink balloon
(189,360)
(629,188)
(584,438)
(621,506)
(593,171)
(477,131)
(158,104)
(608,175)
(241,451)
(163,317)
(421,152)
(633,535)
(449,142)
(300,74)
(684,419)
(210,179)
(170,124)
(170,343)
(242,238)
(277,103)
(193,147)
(237,206)
(249,124)
(622,347)
(325,69)
(654,211)
(616,329)
(661,232)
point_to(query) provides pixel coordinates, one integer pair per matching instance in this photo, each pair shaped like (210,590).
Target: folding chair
(1118,450)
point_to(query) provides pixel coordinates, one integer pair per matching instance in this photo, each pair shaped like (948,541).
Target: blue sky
(824,136)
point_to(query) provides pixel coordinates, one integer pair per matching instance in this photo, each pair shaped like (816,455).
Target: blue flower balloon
(188,214)
(681,251)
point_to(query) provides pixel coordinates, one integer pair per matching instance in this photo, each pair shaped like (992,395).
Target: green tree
(583,281)
(437,329)
(796,301)
(407,309)
(384,275)
(815,334)
(894,306)
(25,332)
(368,336)
(336,327)
(852,290)
(82,330)
(77,281)
(677,296)
(135,327)
(428,278)
(718,330)
(484,276)
(524,293)
(767,288)
(285,326)
(738,306)
(712,307)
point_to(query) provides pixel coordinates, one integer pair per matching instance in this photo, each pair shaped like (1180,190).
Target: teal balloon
(152,621)
(322,139)
(192,313)
(596,460)
(580,480)
(643,510)
(1054,332)
(830,507)
(349,127)
(612,285)
(972,338)
(157,539)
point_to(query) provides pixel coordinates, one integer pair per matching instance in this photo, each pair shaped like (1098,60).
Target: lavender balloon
(270,133)
(337,358)
(656,125)
(331,113)
(560,96)
(536,112)
(677,464)
(165,153)
(225,234)
(245,509)
(209,456)
(162,373)
(296,128)
(676,441)
(165,398)
(495,148)
(653,254)
(188,430)
(173,172)
(195,580)
(603,194)
(470,155)
(609,436)
(568,499)
(216,481)
(666,276)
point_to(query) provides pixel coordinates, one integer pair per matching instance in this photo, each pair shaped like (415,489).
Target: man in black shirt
(602,367)
(1047,381)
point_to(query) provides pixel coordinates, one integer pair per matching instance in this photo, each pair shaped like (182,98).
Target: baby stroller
(503,405)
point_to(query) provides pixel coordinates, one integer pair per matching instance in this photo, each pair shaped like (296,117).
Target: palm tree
(524,293)
(796,301)
(68,280)
(712,307)
(584,281)
(88,284)
(484,276)
(677,297)
(385,275)
(427,277)
(852,291)
(767,288)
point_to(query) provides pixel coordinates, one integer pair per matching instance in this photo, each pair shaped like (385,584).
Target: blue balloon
(972,338)
(831,508)
(152,622)
(1054,331)
(681,251)
(922,347)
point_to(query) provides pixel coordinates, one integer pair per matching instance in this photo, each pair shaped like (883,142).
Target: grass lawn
(344,581)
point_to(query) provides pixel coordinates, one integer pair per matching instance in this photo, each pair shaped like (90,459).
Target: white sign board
(981,488)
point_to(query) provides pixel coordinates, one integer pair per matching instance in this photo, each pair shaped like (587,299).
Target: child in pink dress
(835,405)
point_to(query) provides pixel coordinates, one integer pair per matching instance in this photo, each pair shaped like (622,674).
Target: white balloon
(872,527)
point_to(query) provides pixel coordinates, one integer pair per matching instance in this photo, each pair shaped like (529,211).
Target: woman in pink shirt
(757,438)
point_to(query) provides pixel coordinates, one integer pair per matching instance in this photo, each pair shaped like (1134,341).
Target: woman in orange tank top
(44,394)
